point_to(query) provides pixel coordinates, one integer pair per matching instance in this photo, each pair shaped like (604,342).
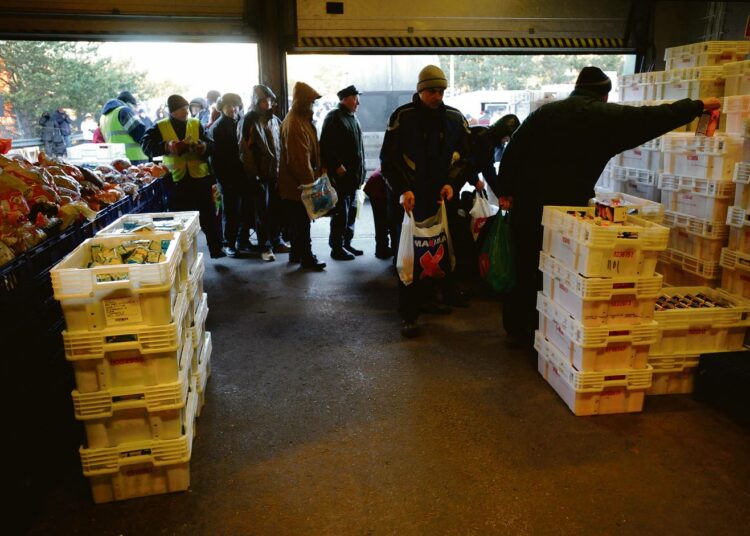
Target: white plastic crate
(612,346)
(672,374)
(701,157)
(185,223)
(604,182)
(736,115)
(696,237)
(632,87)
(637,206)
(95,153)
(741,180)
(691,83)
(127,356)
(705,272)
(701,198)
(600,250)
(141,468)
(735,272)
(195,285)
(702,331)
(198,328)
(636,182)
(591,393)
(736,78)
(738,220)
(124,415)
(204,372)
(640,158)
(124,294)
(595,301)
(706,53)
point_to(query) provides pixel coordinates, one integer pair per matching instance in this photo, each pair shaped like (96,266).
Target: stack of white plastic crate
(192,270)
(128,336)
(597,307)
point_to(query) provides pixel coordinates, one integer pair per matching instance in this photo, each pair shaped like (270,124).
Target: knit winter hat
(175,102)
(431,76)
(593,79)
(127,97)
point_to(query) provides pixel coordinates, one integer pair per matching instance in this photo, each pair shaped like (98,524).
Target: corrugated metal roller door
(183,19)
(484,25)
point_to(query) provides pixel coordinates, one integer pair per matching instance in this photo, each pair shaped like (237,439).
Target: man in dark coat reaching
(556,157)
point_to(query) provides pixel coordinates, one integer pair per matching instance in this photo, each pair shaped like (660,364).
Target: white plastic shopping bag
(360,196)
(425,249)
(480,212)
(319,197)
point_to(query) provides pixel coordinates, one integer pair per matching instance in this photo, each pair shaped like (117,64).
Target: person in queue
(300,164)
(555,158)
(185,146)
(343,155)
(425,151)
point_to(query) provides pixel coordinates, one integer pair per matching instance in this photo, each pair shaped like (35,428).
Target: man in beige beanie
(424,153)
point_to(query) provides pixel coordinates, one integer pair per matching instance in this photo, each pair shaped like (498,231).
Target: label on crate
(120,311)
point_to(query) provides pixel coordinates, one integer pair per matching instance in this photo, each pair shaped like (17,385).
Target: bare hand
(506,203)
(340,170)
(199,148)
(480,184)
(407,201)
(173,147)
(711,103)
(446,192)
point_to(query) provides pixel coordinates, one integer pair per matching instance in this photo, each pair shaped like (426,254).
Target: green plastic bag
(496,263)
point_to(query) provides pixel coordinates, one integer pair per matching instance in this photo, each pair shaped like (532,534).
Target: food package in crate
(142,468)
(696,237)
(635,206)
(594,247)
(596,301)
(686,270)
(186,223)
(700,320)
(96,296)
(128,356)
(673,374)
(701,157)
(592,393)
(612,346)
(701,198)
(736,78)
(741,180)
(121,415)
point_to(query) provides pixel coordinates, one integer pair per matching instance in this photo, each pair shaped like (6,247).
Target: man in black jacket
(229,172)
(343,155)
(556,157)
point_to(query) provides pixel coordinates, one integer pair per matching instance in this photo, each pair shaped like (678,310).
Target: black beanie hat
(593,79)
(127,96)
(175,102)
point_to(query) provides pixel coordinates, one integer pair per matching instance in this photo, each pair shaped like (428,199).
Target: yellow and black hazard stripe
(462,42)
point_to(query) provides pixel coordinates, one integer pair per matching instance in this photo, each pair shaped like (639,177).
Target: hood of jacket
(112,104)
(261,92)
(302,98)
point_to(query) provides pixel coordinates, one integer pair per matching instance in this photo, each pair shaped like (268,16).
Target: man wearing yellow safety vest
(119,123)
(185,146)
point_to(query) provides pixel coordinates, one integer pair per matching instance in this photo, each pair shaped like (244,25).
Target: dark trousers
(383,235)
(236,213)
(268,217)
(299,230)
(196,194)
(343,220)
(520,317)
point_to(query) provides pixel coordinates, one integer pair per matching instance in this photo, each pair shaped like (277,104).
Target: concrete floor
(320,419)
